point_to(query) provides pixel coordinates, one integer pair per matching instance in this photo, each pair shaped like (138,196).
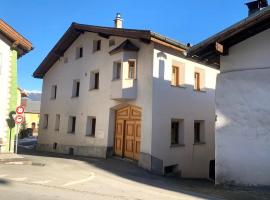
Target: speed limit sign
(19,119)
(19,110)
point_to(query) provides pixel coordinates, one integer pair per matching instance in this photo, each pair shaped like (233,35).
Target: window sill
(90,136)
(93,89)
(134,79)
(74,97)
(177,145)
(203,91)
(53,98)
(179,86)
(199,143)
(116,79)
(71,133)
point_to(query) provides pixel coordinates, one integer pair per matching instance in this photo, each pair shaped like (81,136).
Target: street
(63,177)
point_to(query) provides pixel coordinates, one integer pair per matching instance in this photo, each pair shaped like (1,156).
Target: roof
(127,45)
(75,30)
(209,51)
(17,40)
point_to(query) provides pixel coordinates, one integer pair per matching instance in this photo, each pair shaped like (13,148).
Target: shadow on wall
(11,124)
(4,182)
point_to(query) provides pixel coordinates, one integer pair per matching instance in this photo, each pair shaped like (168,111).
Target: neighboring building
(242,53)
(31,103)
(131,93)
(12,47)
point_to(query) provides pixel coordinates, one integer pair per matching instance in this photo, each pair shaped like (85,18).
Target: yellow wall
(30,118)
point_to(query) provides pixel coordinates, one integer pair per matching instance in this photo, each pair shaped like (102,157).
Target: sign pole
(17,137)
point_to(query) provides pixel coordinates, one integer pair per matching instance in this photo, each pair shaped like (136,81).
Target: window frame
(91,126)
(197,80)
(135,69)
(45,124)
(57,122)
(72,124)
(53,92)
(175,81)
(76,88)
(96,45)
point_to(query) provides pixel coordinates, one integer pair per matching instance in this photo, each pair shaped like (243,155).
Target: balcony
(124,89)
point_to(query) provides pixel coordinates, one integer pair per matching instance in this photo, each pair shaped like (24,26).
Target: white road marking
(41,182)
(3,175)
(18,179)
(91,177)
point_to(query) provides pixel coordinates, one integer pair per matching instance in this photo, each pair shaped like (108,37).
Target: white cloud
(32,91)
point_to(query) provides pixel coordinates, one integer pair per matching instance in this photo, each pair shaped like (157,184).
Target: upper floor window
(197,80)
(53,92)
(175,76)
(111,42)
(131,69)
(94,80)
(76,88)
(96,45)
(79,52)
(117,70)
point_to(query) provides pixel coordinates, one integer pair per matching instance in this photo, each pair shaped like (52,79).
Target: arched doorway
(127,135)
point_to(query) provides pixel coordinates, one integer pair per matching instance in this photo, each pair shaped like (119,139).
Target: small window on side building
(177,131)
(54,92)
(175,76)
(96,45)
(94,80)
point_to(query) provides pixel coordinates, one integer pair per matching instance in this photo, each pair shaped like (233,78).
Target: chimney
(118,22)
(255,6)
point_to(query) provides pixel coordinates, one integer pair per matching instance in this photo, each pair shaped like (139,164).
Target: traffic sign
(20,110)
(19,119)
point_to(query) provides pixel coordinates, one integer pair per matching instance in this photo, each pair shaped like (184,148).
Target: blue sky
(44,21)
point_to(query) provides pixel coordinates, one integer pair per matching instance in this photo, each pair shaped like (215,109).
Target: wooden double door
(127,137)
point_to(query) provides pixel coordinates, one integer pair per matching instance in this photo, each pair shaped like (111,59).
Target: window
(96,45)
(53,92)
(91,126)
(57,123)
(79,52)
(111,42)
(116,70)
(65,59)
(45,121)
(197,81)
(198,132)
(177,131)
(175,76)
(71,124)
(94,80)
(76,88)
(131,69)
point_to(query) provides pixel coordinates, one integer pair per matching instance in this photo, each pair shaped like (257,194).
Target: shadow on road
(197,188)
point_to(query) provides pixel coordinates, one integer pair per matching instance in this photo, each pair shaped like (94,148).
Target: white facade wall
(96,103)
(170,102)
(5,73)
(243,122)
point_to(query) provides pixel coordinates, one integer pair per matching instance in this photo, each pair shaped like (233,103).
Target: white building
(242,98)
(12,46)
(130,93)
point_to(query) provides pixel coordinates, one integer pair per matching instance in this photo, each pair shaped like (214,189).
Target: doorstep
(13,159)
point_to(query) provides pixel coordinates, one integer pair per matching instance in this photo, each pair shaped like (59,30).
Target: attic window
(111,42)
(79,52)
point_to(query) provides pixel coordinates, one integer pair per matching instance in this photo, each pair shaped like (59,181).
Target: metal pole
(17,137)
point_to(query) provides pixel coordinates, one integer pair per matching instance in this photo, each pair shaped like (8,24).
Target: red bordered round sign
(20,110)
(19,119)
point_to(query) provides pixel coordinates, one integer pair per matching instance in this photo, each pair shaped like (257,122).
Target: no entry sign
(19,110)
(19,119)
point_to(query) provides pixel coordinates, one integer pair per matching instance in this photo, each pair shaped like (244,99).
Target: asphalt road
(79,178)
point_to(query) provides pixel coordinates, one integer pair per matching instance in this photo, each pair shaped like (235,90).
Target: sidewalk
(11,158)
